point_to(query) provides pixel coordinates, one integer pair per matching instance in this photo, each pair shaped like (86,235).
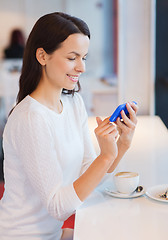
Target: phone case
(117,112)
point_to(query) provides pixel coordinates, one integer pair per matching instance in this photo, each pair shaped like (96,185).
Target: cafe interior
(127,61)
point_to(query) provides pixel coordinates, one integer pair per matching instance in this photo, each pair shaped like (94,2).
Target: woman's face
(65,65)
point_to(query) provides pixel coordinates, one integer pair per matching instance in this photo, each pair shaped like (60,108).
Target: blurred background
(127,58)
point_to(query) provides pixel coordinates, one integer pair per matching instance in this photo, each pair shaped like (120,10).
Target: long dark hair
(48,33)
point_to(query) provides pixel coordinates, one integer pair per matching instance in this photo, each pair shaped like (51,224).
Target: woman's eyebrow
(77,54)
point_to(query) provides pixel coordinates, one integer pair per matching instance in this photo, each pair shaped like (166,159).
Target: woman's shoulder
(26,115)
(25,109)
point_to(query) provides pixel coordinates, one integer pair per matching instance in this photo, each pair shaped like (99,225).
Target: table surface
(104,217)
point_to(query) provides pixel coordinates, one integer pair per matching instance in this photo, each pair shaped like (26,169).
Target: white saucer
(155,192)
(123,195)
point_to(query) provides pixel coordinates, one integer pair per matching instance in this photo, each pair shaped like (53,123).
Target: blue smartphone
(117,112)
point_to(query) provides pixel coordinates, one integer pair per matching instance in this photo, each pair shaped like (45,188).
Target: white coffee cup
(126,182)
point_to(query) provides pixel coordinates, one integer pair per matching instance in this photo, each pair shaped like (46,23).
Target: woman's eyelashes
(72,59)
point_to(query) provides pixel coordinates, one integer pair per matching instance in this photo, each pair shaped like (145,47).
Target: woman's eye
(71,59)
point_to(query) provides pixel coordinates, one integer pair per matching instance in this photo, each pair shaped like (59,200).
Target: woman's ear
(41,56)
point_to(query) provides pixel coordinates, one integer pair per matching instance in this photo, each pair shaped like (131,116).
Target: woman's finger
(127,122)
(132,114)
(121,124)
(110,129)
(134,106)
(98,120)
(103,122)
(105,129)
(102,125)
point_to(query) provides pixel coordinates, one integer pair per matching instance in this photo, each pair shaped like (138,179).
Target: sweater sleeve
(37,152)
(89,151)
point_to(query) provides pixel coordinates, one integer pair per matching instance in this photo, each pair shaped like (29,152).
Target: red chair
(1,189)
(69,223)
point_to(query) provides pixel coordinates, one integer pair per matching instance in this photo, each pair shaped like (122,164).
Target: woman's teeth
(73,78)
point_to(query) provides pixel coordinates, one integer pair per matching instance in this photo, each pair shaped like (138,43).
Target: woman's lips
(73,78)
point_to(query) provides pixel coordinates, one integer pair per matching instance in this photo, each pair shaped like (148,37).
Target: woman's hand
(106,134)
(126,128)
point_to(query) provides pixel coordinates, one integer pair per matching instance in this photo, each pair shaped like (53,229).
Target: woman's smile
(73,78)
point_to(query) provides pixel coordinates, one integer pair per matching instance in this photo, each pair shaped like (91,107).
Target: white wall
(92,13)
(136,53)
(34,9)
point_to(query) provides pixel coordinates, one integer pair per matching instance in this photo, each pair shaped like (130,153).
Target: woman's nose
(80,66)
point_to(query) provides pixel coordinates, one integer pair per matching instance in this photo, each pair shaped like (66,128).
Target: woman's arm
(106,134)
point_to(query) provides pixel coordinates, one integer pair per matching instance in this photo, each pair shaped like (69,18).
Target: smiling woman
(50,163)
(43,177)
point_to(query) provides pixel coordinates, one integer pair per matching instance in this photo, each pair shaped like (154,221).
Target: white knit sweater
(44,152)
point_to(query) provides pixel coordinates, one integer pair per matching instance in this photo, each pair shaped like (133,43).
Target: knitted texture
(44,153)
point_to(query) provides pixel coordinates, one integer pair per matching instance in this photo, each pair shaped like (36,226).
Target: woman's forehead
(75,43)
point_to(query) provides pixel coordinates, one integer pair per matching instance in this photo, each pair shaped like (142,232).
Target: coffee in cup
(126,182)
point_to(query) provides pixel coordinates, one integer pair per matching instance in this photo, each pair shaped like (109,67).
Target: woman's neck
(48,97)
